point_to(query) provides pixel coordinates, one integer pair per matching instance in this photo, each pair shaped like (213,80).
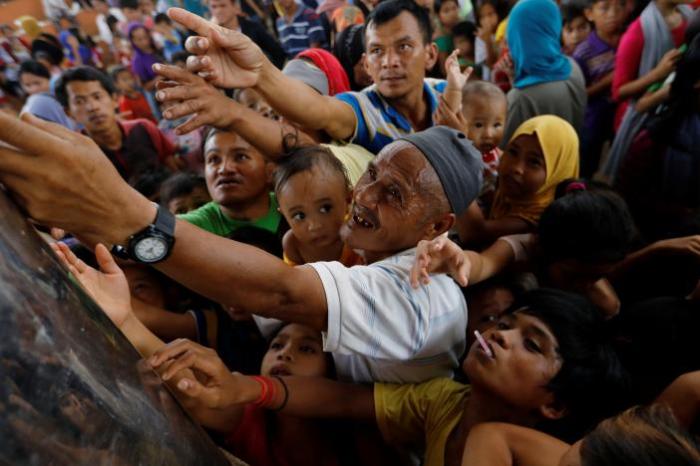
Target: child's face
(485,307)
(255,101)
(286,4)
(144,285)
(132,14)
(315,203)
(525,360)
(522,169)
(146,7)
(486,117)
(33,84)
(607,15)
(235,171)
(488,17)
(296,350)
(194,200)
(125,81)
(142,39)
(465,46)
(574,32)
(449,13)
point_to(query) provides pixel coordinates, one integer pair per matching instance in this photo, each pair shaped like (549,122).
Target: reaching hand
(440,255)
(445,116)
(193,96)
(456,80)
(667,64)
(224,57)
(687,245)
(107,286)
(214,386)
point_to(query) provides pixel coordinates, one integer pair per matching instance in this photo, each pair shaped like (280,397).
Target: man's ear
(365,63)
(442,225)
(431,56)
(553,410)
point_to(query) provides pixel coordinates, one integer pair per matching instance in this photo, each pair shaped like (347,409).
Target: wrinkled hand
(63,180)
(667,64)
(440,255)
(224,57)
(214,386)
(194,97)
(107,286)
(445,116)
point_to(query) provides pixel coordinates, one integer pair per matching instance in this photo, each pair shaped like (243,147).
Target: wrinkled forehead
(401,158)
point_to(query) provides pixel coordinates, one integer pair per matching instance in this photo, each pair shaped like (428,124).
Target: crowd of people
(408,232)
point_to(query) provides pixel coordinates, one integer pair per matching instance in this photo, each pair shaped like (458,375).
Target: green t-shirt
(209,217)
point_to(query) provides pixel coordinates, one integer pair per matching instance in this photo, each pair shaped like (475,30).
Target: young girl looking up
(314,196)
(542,153)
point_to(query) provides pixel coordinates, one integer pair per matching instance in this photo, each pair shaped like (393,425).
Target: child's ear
(553,410)
(588,13)
(431,56)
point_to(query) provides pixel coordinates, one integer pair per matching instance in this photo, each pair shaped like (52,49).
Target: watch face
(151,249)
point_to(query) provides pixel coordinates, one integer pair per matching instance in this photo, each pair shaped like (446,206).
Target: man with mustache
(377,327)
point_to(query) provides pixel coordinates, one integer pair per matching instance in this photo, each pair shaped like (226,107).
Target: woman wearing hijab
(540,154)
(546,82)
(145,55)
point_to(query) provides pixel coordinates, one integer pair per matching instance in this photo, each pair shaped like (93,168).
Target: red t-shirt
(250,441)
(136,108)
(629,57)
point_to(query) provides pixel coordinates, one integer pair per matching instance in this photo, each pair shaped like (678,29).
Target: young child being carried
(314,193)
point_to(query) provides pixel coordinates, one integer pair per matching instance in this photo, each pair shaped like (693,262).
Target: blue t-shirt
(46,107)
(378,123)
(304,29)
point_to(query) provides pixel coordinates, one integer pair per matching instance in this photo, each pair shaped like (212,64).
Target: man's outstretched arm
(64,180)
(229,59)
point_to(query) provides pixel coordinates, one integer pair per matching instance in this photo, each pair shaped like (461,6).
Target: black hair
(303,159)
(112,22)
(465,29)
(570,12)
(162,18)
(591,383)
(389,9)
(501,8)
(48,46)
(148,180)
(180,184)
(115,71)
(81,73)
(349,47)
(132,4)
(330,362)
(438,4)
(33,67)
(179,56)
(643,436)
(590,223)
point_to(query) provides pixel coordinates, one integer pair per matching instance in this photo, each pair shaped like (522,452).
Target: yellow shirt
(420,416)
(353,157)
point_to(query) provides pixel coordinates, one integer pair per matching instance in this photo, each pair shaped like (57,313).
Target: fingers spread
(197,45)
(176,93)
(174,73)
(188,107)
(105,260)
(192,124)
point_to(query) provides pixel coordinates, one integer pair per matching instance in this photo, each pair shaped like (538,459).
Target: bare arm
(499,444)
(640,85)
(683,397)
(166,324)
(652,100)
(472,227)
(601,85)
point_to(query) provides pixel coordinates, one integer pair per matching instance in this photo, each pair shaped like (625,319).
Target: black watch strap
(165,221)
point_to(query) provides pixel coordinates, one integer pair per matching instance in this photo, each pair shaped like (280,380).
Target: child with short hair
(447,13)
(184,192)
(464,39)
(575,27)
(132,102)
(314,194)
(596,58)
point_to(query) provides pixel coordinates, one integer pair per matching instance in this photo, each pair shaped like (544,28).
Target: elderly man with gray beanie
(376,326)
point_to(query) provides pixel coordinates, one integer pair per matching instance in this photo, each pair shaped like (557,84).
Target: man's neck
(111,138)
(233,23)
(248,211)
(414,107)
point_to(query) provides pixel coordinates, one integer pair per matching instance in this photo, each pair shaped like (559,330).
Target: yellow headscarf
(30,25)
(559,144)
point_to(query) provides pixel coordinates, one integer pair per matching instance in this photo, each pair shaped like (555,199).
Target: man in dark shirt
(228,13)
(135,146)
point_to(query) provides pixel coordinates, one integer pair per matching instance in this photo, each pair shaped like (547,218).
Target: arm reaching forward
(230,59)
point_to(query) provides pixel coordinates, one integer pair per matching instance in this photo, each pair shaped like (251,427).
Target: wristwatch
(152,244)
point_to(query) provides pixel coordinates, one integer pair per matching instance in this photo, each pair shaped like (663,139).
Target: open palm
(227,58)
(107,286)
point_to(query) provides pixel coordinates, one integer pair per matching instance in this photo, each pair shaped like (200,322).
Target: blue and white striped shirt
(378,123)
(298,35)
